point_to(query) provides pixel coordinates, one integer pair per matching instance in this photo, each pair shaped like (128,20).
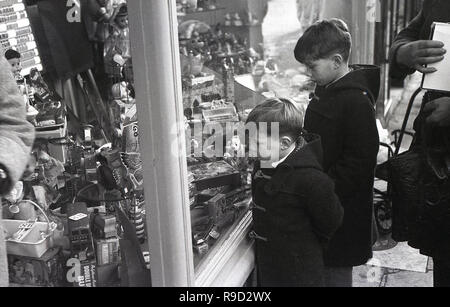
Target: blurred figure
(16,139)
(309,11)
(411,51)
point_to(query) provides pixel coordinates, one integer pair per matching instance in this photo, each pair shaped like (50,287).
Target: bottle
(228,80)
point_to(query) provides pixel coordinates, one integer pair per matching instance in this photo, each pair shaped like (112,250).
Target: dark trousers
(338,277)
(441,272)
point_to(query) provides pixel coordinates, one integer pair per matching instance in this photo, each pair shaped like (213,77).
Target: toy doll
(14,59)
(117,47)
(237,20)
(121,103)
(227,20)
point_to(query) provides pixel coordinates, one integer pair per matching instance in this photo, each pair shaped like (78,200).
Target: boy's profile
(295,209)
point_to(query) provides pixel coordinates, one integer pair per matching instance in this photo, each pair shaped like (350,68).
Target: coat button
(253,235)
(256,207)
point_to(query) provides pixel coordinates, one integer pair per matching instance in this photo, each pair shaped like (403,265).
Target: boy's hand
(440,112)
(419,53)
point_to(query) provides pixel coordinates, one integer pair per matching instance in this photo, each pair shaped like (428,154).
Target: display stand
(16,33)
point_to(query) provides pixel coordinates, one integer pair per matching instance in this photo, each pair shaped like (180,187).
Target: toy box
(45,271)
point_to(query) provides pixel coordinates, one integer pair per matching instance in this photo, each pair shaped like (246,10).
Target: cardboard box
(107,251)
(46,271)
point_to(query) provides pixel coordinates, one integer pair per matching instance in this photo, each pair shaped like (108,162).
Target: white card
(78,217)
(440,80)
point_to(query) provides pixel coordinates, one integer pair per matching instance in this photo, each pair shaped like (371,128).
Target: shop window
(234,54)
(78,215)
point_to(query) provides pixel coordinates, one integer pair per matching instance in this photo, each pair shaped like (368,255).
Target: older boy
(342,113)
(296,211)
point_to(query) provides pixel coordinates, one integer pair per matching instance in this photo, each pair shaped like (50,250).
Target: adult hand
(439,110)
(419,53)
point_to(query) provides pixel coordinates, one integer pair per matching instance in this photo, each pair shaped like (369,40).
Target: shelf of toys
(16,33)
(87,187)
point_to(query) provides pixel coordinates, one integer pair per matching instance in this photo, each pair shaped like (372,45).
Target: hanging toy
(136,216)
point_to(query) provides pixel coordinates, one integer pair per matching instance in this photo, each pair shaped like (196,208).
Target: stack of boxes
(16,33)
(106,248)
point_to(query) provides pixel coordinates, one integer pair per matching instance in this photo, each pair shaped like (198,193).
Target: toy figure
(25,88)
(120,105)
(48,103)
(252,20)
(18,271)
(237,20)
(271,66)
(19,210)
(49,169)
(121,91)
(117,47)
(227,20)
(135,214)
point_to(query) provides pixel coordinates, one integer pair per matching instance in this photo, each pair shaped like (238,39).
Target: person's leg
(441,273)
(339,277)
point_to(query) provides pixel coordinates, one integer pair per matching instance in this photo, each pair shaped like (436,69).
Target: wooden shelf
(204,11)
(244,26)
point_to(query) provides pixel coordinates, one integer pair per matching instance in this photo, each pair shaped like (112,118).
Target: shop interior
(83,214)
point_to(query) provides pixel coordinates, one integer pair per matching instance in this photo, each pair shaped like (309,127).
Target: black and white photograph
(224,148)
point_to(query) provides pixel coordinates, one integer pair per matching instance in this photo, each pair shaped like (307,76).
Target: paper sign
(439,80)
(78,217)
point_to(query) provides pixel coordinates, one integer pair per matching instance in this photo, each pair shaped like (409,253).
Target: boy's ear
(285,142)
(338,60)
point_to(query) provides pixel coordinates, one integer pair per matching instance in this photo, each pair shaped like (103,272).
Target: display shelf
(243,26)
(220,265)
(204,11)
(16,33)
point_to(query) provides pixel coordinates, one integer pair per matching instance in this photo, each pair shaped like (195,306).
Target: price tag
(78,217)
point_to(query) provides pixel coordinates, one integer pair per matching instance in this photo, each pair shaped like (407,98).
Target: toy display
(90,187)
(212,45)
(191,6)
(48,104)
(45,271)
(16,33)
(117,51)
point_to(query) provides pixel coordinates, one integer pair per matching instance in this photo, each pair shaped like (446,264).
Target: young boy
(295,209)
(13,58)
(342,113)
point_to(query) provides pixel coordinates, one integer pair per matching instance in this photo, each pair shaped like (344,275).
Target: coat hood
(308,156)
(362,77)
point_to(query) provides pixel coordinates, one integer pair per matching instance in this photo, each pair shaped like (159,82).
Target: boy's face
(16,67)
(322,71)
(272,148)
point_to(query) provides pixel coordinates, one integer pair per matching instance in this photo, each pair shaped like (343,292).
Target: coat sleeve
(410,34)
(358,159)
(324,207)
(16,133)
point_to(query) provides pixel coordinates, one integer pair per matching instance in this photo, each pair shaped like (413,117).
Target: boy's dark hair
(12,54)
(279,110)
(323,39)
